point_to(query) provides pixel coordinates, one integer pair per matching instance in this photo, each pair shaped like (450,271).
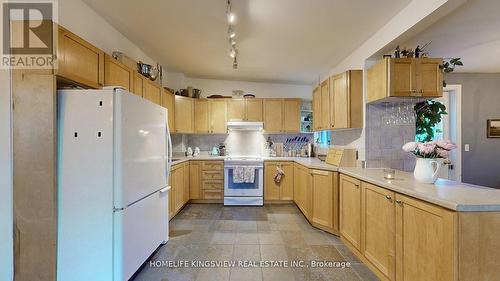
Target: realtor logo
(28,39)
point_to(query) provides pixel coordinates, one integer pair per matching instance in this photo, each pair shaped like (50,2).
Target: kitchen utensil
(215,151)
(189,152)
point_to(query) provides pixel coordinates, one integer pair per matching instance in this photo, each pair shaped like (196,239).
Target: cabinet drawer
(212,165)
(213,194)
(212,175)
(212,184)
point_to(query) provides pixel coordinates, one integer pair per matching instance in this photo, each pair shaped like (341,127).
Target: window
(323,138)
(437,129)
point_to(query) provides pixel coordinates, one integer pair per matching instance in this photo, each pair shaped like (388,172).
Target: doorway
(450,128)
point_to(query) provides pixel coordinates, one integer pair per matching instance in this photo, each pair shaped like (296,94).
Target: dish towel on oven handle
(279,174)
(243,174)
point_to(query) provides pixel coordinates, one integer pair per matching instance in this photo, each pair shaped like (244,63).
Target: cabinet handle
(388,197)
(399,202)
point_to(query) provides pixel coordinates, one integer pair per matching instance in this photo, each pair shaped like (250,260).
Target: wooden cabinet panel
(117,74)
(273,115)
(138,84)
(212,184)
(429,78)
(340,110)
(425,241)
(350,210)
(214,194)
(212,165)
(185,189)
(253,109)
(286,185)
(218,116)
(168,101)
(195,180)
(403,76)
(78,60)
(323,199)
(303,190)
(183,115)
(201,116)
(317,109)
(325,106)
(152,92)
(212,175)
(378,224)
(236,110)
(291,115)
(271,188)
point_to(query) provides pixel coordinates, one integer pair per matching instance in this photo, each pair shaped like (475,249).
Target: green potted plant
(448,66)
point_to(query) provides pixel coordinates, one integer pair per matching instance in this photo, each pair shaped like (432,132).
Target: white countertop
(449,194)
(445,193)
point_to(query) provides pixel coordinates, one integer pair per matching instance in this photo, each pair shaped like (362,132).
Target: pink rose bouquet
(431,149)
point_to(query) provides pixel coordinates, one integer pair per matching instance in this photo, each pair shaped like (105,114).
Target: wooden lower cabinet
(325,200)
(212,180)
(195,180)
(282,190)
(378,223)
(179,192)
(302,190)
(350,210)
(425,241)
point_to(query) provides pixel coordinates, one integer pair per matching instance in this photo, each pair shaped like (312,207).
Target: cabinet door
(350,210)
(317,109)
(286,185)
(379,224)
(152,92)
(291,115)
(271,188)
(168,101)
(78,60)
(429,78)
(201,116)
(402,77)
(183,115)
(325,105)
(253,110)
(340,102)
(425,241)
(195,180)
(273,115)
(323,201)
(138,84)
(179,191)
(218,116)
(117,74)
(187,178)
(296,186)
(236,110)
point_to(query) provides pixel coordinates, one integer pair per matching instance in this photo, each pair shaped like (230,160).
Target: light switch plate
(467,148)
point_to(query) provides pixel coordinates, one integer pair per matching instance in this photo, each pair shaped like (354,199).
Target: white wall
(6,238)
(80,19)
(226,87)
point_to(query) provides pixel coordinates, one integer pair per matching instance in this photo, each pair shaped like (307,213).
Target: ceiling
(470,32)
(289,41)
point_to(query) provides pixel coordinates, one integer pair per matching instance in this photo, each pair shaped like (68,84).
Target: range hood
(244,126)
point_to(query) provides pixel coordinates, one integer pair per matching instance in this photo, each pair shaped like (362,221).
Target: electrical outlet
(467,148)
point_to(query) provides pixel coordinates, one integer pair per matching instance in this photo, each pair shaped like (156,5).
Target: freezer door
(139,230)
(140,148)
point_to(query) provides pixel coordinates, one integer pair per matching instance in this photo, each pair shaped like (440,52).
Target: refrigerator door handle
(169,156)
(163,190)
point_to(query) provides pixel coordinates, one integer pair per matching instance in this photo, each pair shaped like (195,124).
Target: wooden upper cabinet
(151,91)
(138,84)
(218,116)
(291,115)
(350,210)
(404,77)
(324,197)
(273,115)
(325,123)
(201,116)
(168,101)
(78,60)
(425,241)
(378,224)
(236,110)
(346,100)
(253,109)
(184,108)
(316,98)
(117,74)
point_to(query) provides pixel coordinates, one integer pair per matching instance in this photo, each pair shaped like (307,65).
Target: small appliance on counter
(215,151)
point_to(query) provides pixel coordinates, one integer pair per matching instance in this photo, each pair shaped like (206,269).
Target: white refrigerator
(114,153)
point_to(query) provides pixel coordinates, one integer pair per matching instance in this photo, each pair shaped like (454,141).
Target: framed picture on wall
(493,129)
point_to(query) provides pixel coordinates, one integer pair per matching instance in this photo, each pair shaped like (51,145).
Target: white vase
(427,170)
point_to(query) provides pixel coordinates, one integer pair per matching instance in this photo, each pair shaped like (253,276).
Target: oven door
(254,189)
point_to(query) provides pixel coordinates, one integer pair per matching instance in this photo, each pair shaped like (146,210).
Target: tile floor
(212,232)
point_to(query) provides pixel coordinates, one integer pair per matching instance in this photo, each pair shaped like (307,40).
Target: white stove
(244,193)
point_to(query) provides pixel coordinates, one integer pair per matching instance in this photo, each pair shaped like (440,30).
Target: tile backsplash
(385,136)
